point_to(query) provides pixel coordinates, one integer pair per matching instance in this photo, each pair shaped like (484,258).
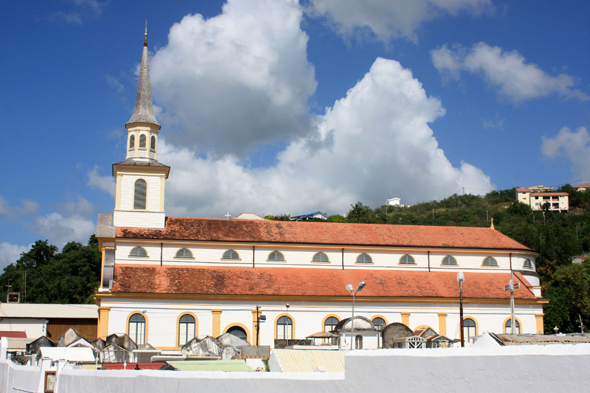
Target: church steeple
(144,109)
(142,128)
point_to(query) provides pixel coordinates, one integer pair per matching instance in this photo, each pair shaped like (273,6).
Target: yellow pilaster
(406,318)
(118,193)
(540,324)
(103,322)
(442,323)
(216,328)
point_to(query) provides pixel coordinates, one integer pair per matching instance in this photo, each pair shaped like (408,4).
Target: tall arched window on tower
(153,143)
(284,328)
(132,142)
(137,328)
(142,141)
(139,197)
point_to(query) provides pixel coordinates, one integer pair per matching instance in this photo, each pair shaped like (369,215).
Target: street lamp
(461,278)
(350,289)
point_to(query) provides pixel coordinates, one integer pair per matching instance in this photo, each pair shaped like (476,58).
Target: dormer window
(138,252)
(142,141)
(449,260)
(490,261)
(230,254)
(407,260)
(139,198)
(320,257)
(132,142)
(184,253)
(276,256)
(364,258)
(153,143)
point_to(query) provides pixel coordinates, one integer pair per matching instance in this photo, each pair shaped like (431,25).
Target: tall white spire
(144,109)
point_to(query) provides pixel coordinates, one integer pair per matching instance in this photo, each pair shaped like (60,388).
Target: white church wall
(537,369)
(139,219)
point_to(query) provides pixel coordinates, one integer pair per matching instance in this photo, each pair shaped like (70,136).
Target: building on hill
(582,187)
(558,201)
(310,216)
(166,280)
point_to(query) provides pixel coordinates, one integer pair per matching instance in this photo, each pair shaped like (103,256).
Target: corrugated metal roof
(30,310)
(536,339)
(211,365)
(304,361)
(77,354)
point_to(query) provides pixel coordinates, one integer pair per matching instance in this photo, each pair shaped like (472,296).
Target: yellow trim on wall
(292,326)
(216,323)
(178,326)
(147,324)
(103,322)
(540,323)
(506,320)
(254,320)
(406,318)
(442,323)
(248,337)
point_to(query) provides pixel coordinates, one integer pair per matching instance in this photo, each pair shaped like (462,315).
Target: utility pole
(511,287)
(257,325)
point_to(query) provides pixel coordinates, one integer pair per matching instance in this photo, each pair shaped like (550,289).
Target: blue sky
(277,107)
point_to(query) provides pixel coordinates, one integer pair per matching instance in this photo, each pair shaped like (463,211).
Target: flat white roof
(29,310)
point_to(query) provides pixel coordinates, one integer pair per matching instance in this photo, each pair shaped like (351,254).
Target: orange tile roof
(224,230)
(244,281)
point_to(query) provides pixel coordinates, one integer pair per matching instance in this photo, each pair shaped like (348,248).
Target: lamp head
(361,286)
(349,288)
(460,277)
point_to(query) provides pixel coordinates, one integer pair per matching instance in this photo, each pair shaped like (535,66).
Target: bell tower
(139,200)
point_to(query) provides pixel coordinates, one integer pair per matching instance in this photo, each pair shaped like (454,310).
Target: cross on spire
(227,215)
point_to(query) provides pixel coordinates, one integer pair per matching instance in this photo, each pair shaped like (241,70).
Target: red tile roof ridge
(268,281)
(358,234)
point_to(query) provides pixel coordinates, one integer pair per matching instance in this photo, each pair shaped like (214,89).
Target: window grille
(276,256)
(230,254)
(407,260)
(320,257)
(138,252)
(184,253)
(449,260)
(364,258)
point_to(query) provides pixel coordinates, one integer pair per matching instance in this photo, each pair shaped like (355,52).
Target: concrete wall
(528,369)
(14,378)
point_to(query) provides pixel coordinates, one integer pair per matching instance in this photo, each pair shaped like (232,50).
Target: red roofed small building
(166,280)
(582,187)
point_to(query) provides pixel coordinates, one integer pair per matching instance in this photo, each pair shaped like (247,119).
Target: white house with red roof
(166,280)
(537,197)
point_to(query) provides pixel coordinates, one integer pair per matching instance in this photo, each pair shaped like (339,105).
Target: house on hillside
(308,216)
(582,187)
(558,201)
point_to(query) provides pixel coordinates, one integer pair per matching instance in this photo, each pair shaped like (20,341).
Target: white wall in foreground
(552,368)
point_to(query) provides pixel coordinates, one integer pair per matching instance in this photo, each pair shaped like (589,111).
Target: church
(166,280)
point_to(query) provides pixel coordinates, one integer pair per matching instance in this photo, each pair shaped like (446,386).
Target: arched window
(358,342)
(330,324)
(364,258)
(137,328)
(138,252)
(490,261)
(230,254)
(131,142)
(276,256)
(284,328)
(469,329)
(140,194)
(238,332)
(449,260)
(407,260)
(184,253)
(142,141)
(379,323)
(528,264)
(153,143)
(186,329)
(320,257)
(508,326)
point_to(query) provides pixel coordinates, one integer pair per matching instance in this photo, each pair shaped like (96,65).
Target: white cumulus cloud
(506,71)
(9,253)
(571,145)
(232,82)
(103,183)
(373,144)
(392,18)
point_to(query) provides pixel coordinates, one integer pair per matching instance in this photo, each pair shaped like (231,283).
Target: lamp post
(350,289)
(461,278)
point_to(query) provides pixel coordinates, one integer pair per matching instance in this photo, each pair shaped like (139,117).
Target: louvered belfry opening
(140,194)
